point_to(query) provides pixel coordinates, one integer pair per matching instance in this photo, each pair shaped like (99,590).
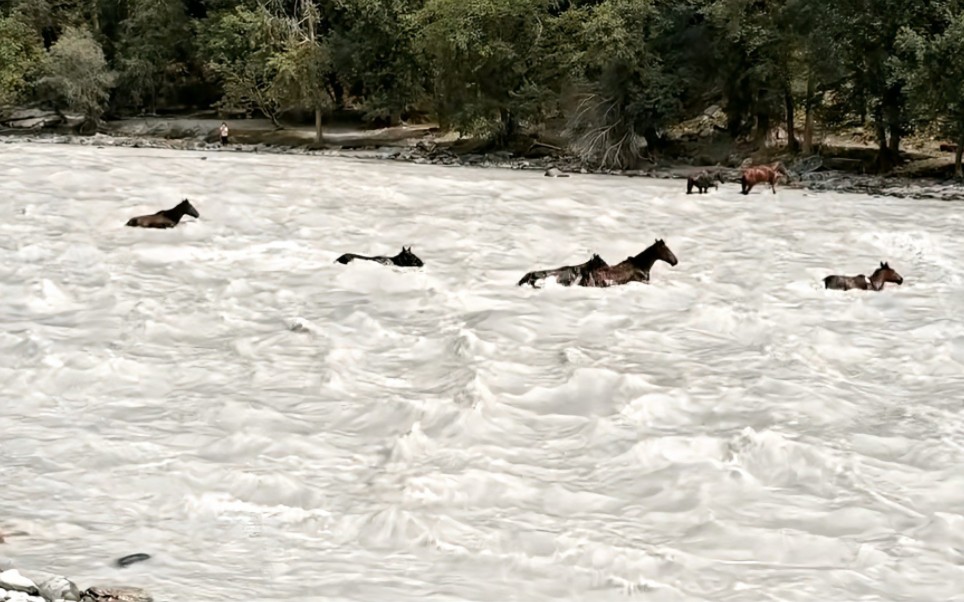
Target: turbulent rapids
(269,424)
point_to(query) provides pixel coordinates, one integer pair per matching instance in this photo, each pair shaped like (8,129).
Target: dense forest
(614,73)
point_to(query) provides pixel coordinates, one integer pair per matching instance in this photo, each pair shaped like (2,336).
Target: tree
(76,76)
(484,60)
(935,81)
(303,63)
(626,95)
(240,46)
(21,52)
(374,49)
(868,32)
(152,51)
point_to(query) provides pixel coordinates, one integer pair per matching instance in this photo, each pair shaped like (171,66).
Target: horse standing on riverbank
(405,259)
(168,218)
(755,174)
(702,182)
(632,269)
(881,276)
(566,275)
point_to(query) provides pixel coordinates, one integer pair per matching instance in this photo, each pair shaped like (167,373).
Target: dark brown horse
(633,269)
(167,218)
(405,259)
(566,275)
(756,174)
(876,282)
(702,182)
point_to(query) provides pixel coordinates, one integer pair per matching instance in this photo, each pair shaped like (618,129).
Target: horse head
(885,273)
(663,252)
(186,208)
(407,259)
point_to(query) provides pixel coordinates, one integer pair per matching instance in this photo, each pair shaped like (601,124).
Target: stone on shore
(12,580)
(115,594)
(54,587)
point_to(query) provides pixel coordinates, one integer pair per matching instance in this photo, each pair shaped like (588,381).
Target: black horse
(405,259)
(567,275)
(168,218)
(702,182)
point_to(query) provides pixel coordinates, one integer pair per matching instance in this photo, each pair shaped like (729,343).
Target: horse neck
(646,259)
(877,280)
(175,214)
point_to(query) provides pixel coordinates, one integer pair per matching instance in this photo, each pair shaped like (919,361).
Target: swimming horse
(597,273)
(702,182)
(755,174)
(168,218)
(881,276)
(405,259)
(565,275)
(632,269)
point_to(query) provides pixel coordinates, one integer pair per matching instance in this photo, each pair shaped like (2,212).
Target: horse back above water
(597,273)
(881,276)
(167,218)
(631,269)
(756,174)
(702,181)
(405,258)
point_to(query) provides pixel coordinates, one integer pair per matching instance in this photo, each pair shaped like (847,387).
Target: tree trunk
(884,163)
(808,120)
(792,144)
(508,126)
(318,125)
(957,158)
(762,128)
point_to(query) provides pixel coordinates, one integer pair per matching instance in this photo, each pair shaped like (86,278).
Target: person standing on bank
(224,134)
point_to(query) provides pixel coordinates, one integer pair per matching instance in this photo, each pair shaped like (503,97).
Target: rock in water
(13,580)
(554,172)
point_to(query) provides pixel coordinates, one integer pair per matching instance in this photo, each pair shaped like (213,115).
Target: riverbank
(925,176)
(18,585)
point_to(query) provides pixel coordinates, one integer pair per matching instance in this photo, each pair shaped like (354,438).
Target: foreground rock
(41,586)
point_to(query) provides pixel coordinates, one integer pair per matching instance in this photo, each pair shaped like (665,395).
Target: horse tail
(826,281)
(346,258)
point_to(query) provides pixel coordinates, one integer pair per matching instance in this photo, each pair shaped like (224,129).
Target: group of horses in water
(595,272)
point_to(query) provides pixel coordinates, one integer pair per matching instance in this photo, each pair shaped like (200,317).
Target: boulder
(554,172)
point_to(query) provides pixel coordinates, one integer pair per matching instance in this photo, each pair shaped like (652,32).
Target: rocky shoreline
(18,585)
(811,173)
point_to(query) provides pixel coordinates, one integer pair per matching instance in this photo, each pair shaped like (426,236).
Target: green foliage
(626,95)
(374,50)
(935,80)
(153,50)
(76,75)
(485,62)
(240,47)
(21,53)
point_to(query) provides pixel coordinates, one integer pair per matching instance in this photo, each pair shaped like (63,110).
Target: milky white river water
(269,425)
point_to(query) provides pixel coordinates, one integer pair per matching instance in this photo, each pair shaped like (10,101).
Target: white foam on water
(271,425)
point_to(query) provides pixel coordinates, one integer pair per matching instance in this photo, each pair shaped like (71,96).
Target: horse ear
(881,264)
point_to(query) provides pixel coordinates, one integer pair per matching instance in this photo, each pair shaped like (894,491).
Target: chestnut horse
(881,275)
(632,269)
(566,275)
(755,174)
(167,218)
